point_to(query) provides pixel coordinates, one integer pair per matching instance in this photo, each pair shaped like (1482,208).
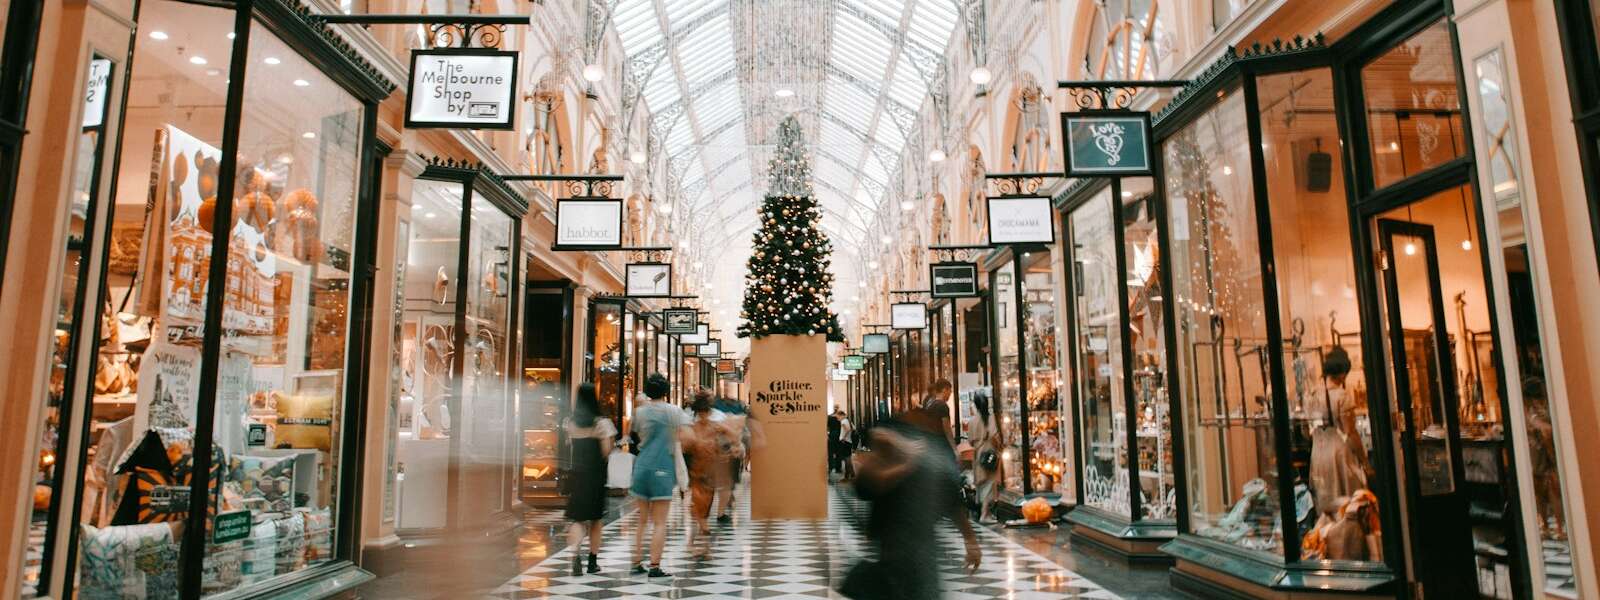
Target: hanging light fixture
(907,205)
(593,73)
(637,157)
(980,75)
(935,155)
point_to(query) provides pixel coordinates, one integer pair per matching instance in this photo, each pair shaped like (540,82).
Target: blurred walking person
(986,444)
(655,472)
(709,446)
(591,437)
(911,481)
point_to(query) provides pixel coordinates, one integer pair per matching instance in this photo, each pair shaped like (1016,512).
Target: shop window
(486,403)
(1413,106)
(1007,402)
(1548,514)
(1097,352)
(147,370)
(606,364)
(84,224)
(1221,333)
(1331,443)
(427,353)
(1147,345)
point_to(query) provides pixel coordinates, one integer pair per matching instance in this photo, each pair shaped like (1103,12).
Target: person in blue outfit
(655,471)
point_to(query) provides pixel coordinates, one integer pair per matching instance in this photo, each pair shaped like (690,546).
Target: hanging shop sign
(461,88)
(855,362)
(875,343)
(727,366)
(1107,145)
(711,349)
(701,335)
(648,280)
(953,279)
(94,97)
(908,315)
(680,321)
(839,374)
(589,224)
(1021,220)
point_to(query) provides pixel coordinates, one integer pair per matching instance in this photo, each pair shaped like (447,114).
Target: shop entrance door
(1426,396)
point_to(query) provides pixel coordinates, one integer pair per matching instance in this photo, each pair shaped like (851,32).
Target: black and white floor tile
(785,560)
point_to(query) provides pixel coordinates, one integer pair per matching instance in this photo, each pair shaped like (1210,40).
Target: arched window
(1030,134)
(1126,40)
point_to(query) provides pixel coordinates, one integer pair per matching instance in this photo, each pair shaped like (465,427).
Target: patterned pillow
(156,480)
(128,562)
(290,554)
(268,479)
(305,421)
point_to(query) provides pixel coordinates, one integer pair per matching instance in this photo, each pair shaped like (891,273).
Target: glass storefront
(457,451)
(547,331)
(197,432)
(1026,347)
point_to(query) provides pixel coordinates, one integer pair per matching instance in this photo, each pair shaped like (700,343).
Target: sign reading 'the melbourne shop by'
(461,88)
(1107,145)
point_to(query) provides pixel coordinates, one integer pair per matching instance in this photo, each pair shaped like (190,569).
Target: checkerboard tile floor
(786,560)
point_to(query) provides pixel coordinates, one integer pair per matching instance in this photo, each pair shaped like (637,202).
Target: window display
(276,412)
(1097,349)
(456,445)
(605,360)
(1047,457)
(1331,441)
(546,311)
(1227,406)
(1007,401)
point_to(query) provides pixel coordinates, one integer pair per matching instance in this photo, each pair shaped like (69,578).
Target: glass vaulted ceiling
(718,75)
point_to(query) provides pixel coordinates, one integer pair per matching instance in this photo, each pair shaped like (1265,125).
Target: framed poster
(701,335)
(711,349)
(589,224)
(680,321)
(875,343)
(1026,220)
(953,279)
(1107,143)
(648,280)
(461,88)
(727,365)
(855,362)
(908,315)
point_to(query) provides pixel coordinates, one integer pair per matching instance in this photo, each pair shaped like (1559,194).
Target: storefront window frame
(1392,26)
(1133,526)
(479,185)
(1013,306)
(346,70)
(16,76)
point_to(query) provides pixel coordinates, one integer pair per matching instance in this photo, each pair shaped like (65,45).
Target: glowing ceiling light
(783,92)
(935,155)
(197,60)
(593,73)
(301,83)
(638,157)
(980,75)
(907,205)
(158,35)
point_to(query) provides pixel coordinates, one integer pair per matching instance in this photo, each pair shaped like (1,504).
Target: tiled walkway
(787,559)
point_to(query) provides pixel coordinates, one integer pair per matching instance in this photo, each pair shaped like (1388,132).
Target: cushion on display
(290,551)
(155,479)
(305,421)
(128,562)
(260,553)
(269,479)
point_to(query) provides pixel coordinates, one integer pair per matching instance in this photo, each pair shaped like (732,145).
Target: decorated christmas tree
(788,286)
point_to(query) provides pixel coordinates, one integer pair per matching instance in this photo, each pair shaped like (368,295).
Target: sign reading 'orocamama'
(461,89)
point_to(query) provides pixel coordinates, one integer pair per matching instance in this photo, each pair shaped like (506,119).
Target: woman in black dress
(591,437)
